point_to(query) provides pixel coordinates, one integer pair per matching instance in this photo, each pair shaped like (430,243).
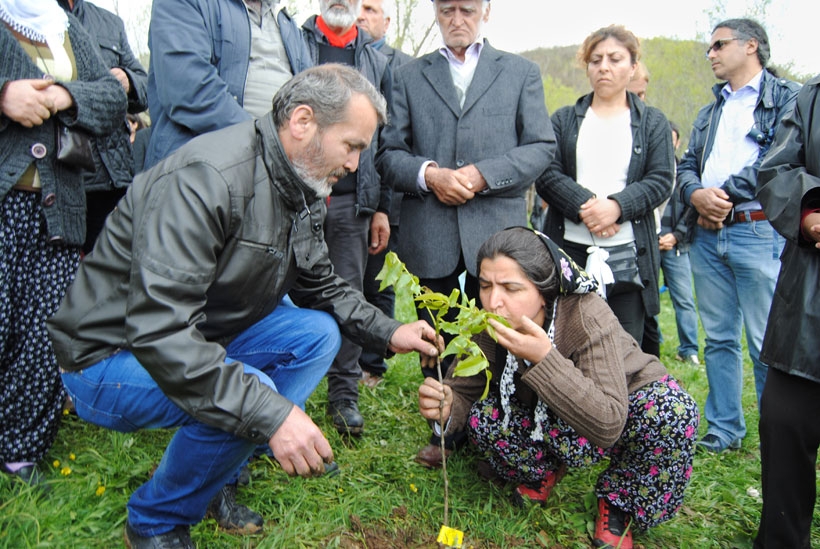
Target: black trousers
(98,205)
(371,361)
(789,437)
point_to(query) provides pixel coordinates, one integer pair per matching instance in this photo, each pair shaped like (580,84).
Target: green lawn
(382,498)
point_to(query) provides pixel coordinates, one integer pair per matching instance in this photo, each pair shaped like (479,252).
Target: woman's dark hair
(525,248)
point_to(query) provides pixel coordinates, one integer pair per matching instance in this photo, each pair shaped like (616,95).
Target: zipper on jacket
(265,247)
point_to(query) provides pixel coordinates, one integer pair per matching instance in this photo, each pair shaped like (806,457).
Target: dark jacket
(395,58)
(789,181)
(200,51)
(112,153)
(204,245)
(371,195)
(100,107)
(648,183)
(674,221)
(776,99)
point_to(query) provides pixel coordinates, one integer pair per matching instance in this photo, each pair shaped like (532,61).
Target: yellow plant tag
(450,537)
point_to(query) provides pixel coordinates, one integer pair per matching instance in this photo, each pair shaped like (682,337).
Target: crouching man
(175,320)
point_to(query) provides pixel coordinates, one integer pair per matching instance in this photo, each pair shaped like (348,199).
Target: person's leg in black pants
(627,306)
(789,438)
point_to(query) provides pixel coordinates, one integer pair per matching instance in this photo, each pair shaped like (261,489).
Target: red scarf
(337,40)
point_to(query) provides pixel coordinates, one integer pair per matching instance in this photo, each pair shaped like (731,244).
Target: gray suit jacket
(503,129)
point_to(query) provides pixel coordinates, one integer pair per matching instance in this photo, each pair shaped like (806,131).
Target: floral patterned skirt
(34,276)
(649,466)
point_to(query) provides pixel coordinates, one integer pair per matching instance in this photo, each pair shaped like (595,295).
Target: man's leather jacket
(205,244)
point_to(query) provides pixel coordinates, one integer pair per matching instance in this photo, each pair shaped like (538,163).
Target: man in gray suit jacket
(469,134)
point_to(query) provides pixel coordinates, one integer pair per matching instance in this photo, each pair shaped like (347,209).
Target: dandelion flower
(72,457)
(65,471)
(56,463)
(100,490)
(413,487)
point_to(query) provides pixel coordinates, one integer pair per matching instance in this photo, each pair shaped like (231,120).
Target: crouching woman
(570,387)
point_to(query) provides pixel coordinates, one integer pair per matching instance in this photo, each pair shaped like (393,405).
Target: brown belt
(747,216)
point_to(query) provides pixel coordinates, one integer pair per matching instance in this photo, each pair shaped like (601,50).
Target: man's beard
(345,18)
(308,165)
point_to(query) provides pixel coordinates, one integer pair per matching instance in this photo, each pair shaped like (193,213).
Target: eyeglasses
(718,45)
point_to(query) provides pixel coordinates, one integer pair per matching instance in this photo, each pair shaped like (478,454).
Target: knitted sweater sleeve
(582,379)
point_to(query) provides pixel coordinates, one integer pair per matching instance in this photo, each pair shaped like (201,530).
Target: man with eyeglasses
(735,251)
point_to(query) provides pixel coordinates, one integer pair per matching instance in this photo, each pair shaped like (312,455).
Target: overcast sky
(518,25)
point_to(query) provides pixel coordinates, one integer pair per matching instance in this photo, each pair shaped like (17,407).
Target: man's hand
(25,102)
(300,447)
(431,394)
(476,181)
(121,75)
(713,205)
(416,336)
(600,216)
(450,187)
(811,228)
(667,242)
(379,233)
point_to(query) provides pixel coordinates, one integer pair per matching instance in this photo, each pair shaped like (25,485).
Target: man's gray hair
(327,89)
(746,29)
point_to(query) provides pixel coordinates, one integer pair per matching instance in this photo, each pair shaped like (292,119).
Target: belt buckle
(730,218)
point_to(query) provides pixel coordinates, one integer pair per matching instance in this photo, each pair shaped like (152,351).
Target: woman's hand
(26,102)
(431,395)
(528,340)
(600,215)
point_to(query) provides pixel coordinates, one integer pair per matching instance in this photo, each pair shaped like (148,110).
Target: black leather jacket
(776,99)
(789,181)
(204,245)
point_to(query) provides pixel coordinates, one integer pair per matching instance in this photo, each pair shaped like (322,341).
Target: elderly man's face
(334,152)
(460,21)
(372,20)
(340,14)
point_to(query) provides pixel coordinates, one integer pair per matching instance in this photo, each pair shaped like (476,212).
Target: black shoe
(346,417)
(231,516)
(244,477)
(31,475)
(178,538)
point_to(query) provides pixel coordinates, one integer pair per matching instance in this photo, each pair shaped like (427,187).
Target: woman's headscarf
(38,20)
(571,280)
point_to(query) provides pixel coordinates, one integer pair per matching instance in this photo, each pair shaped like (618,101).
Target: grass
(382,498)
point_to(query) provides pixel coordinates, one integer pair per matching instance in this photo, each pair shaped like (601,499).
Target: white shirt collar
(753,85)
(470,56)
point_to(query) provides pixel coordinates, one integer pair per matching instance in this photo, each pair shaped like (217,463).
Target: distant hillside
(680,78)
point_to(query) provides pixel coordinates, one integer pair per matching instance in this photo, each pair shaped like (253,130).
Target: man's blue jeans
(735,271)
(290,350)
(677,275)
